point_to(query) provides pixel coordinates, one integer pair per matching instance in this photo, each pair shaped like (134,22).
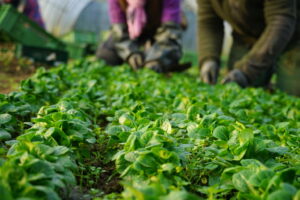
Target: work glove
(238,77)
(209,72)
(166,51)
(125,47)
(136,61)
(155,66)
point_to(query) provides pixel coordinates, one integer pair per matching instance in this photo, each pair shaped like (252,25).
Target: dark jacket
(268,26)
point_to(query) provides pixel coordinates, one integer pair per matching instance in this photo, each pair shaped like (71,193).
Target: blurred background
(65,29)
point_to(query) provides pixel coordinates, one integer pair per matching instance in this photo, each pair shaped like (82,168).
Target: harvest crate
(36,42)
(82,37)
(23,30)
(76,50)
(44,55)
(80,44)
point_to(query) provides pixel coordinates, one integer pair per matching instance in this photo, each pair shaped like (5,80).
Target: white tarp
(61,15)
(94,18)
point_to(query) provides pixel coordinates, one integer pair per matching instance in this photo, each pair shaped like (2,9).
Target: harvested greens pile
(90,131)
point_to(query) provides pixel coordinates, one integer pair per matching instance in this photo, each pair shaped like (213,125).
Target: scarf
(136,17)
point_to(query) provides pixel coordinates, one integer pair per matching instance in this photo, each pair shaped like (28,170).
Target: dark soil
(106,181)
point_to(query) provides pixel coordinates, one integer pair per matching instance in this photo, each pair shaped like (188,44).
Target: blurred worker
(265,33)
(29,8)
(145,33)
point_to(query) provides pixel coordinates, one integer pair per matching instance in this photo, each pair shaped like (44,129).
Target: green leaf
(147,161)
(181,195)
(245,136)
(48,192)
(131,156)
(161,152)
(5,118)
(288,175)
(126,119)
(4,135)
(278,150)
(262,178)
(5,190)
(167,167)
(251,162)
(240,180)
(211,166)
(192,112)
(115,130)
(132,142)
(200,133)
(60,150)
(146,137)
(221,133)
(280,195)
(166,126)
(91,140)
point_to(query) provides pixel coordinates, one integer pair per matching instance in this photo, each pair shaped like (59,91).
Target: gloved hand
(238,77)
(209,72)
(166,50)
(136,61)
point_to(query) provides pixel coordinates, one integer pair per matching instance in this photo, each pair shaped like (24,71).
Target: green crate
(43,55)
(80,44)
(21,29)
(76,50)
(82,38)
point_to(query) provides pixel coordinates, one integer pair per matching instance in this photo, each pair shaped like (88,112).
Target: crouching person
(266,39)
(145,33)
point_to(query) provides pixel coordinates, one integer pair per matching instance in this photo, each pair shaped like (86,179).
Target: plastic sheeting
(93,18)
(60,16)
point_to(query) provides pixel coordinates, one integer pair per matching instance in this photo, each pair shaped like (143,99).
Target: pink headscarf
(136,17)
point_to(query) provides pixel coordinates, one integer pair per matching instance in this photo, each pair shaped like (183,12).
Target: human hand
(209,72)
(136,61)
(236,76)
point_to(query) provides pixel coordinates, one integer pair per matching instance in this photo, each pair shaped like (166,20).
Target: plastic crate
(80,44)
(43,55)
(82,38)
(76,50)
(21,29)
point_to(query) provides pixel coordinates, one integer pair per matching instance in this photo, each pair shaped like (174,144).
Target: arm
(280,18)
(210,33)
(210,41)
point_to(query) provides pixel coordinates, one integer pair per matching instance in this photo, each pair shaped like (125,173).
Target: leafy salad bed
(89,131)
